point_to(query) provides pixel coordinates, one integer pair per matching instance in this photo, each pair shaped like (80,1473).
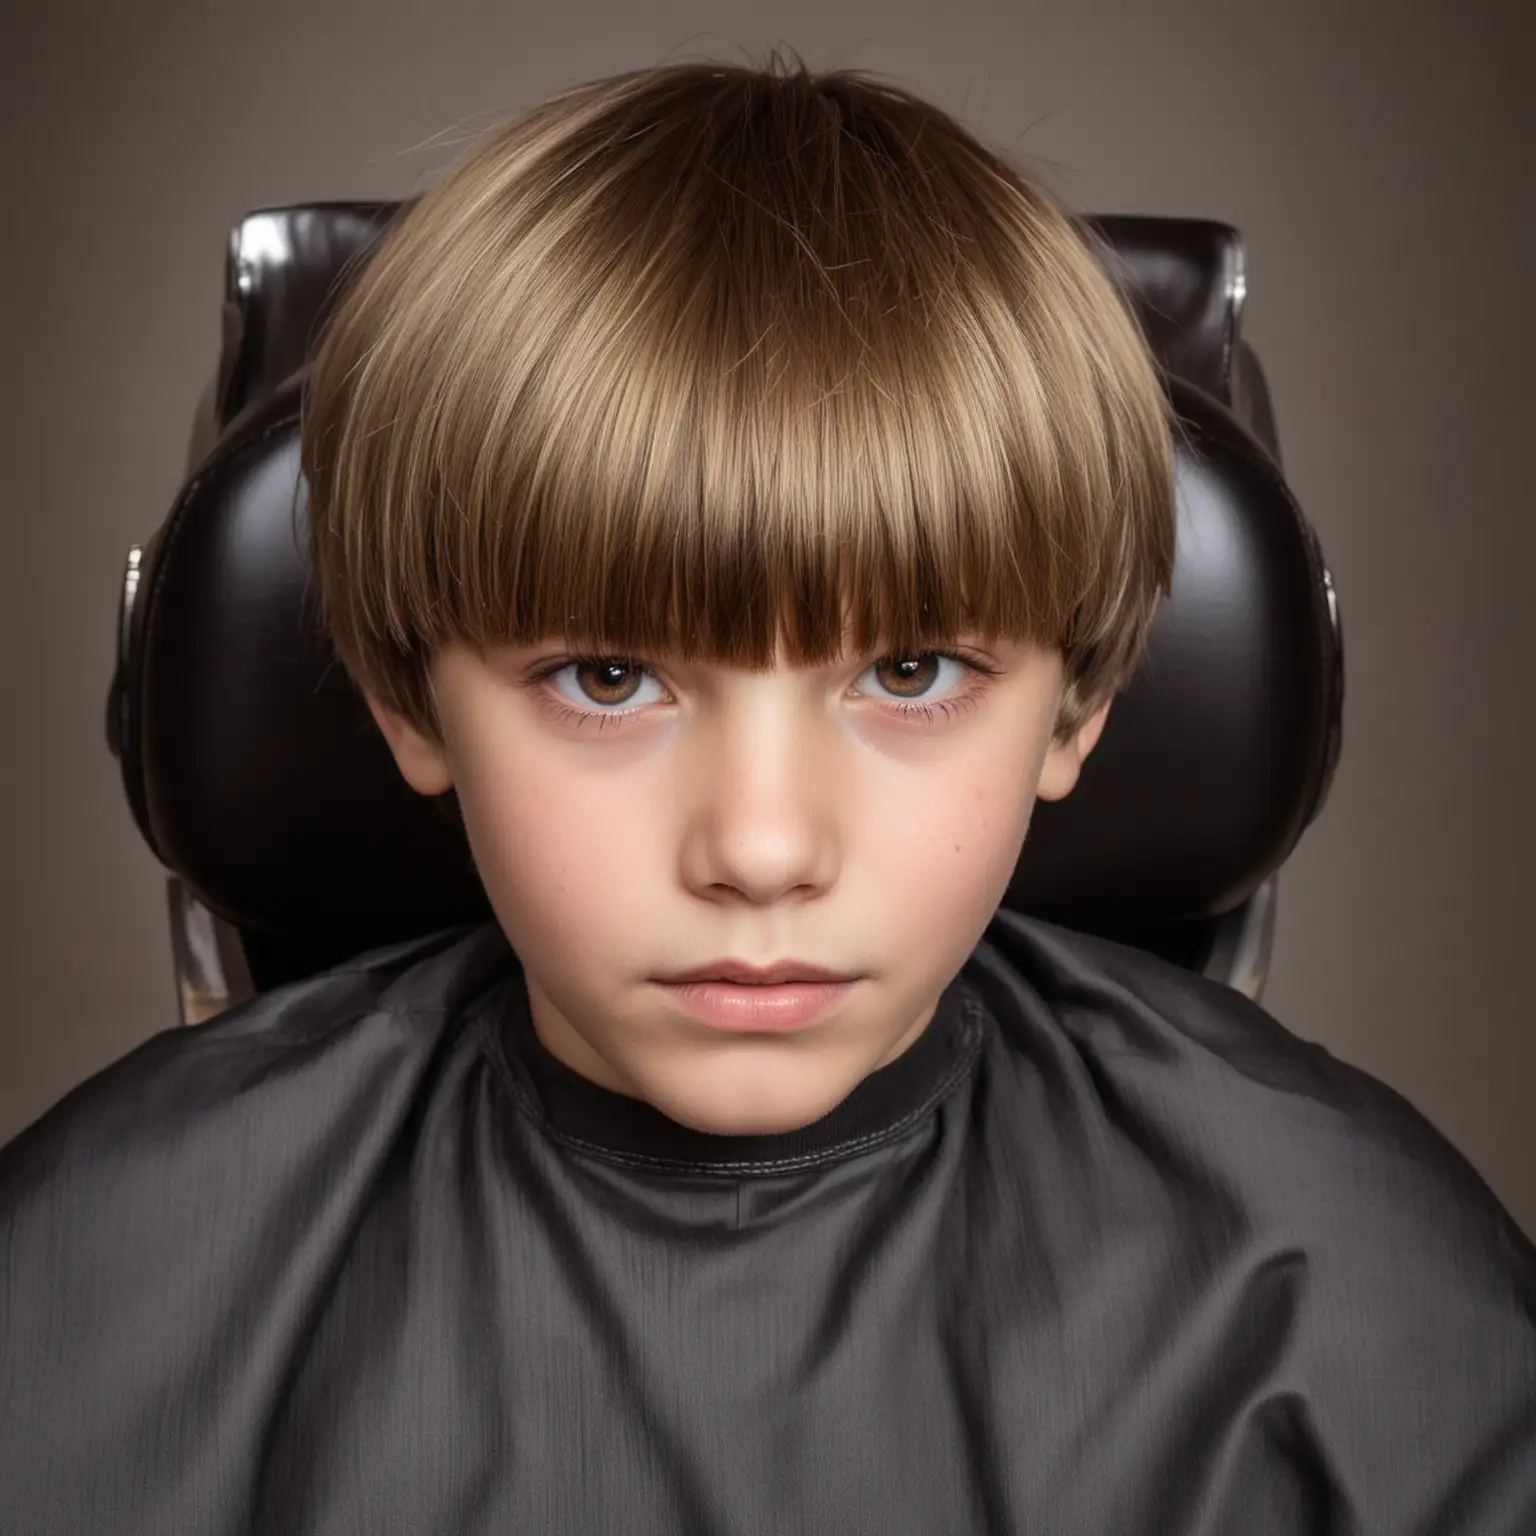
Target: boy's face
(635,821)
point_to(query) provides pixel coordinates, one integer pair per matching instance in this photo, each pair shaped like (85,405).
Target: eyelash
(949,707)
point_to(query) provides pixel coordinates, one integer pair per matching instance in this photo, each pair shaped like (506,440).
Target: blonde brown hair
(703,359)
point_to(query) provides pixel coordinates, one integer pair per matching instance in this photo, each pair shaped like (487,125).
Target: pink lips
(733,995)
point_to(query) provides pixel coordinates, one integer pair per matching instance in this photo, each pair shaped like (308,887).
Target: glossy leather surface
(1221,750)
(285,265)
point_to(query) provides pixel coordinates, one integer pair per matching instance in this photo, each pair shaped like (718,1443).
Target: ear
(1064,760)
(421,760)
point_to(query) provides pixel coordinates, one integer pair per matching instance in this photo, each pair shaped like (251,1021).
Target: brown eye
(908,677)
(607,680)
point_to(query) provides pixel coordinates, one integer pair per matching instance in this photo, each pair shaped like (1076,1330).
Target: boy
(746,494)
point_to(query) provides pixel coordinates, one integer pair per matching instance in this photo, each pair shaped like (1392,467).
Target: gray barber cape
(1105,1250)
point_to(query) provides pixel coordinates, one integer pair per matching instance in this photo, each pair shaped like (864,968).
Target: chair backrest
(257,777)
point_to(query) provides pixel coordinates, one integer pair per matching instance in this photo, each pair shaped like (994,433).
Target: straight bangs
(730,365)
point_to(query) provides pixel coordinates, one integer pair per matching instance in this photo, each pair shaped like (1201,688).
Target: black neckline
(582,1114)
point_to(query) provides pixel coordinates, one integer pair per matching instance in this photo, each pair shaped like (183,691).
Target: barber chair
(258,779)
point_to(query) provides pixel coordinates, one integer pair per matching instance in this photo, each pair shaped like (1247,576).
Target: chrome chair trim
(1244,943)
(211,973)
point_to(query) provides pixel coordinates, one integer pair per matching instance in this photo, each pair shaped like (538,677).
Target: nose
(760,798)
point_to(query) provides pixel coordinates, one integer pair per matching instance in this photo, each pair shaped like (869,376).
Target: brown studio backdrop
(1375,155)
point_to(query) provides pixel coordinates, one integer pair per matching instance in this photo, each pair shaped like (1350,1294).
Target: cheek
(958,845)
(563,858)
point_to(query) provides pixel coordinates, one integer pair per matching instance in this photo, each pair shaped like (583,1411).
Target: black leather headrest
(1184,278)
(255,772)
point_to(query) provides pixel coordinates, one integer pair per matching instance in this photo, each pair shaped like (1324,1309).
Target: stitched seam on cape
(972,1024)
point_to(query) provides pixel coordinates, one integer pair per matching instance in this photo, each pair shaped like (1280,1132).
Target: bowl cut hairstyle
(707,360)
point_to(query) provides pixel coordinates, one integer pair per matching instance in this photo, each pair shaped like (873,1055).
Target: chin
(753,1109)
